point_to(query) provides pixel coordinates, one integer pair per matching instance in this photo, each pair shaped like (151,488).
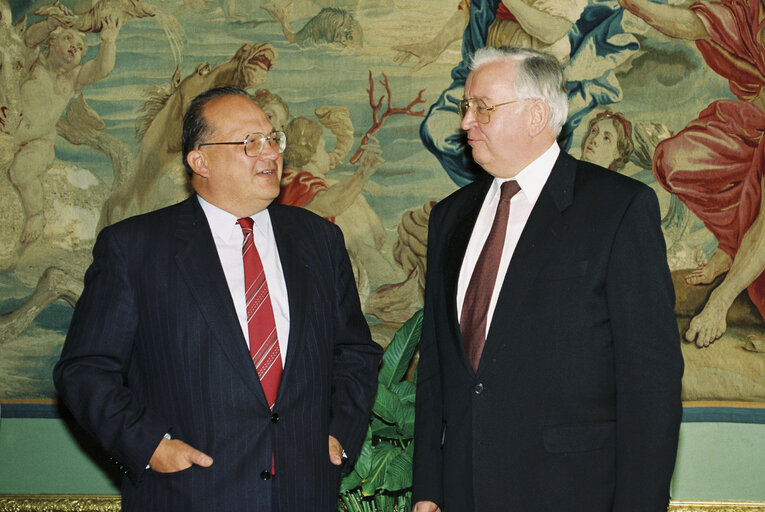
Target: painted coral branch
(377,119)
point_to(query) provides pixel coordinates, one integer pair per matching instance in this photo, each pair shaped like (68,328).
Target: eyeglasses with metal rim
(255,142)
(480,110)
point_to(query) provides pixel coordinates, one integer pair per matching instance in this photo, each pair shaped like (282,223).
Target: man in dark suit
(550,365)
(156,363)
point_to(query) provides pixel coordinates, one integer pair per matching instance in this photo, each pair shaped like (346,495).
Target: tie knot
(246,224)
(508,190)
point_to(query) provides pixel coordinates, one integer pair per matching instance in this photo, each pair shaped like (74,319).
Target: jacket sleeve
(92,371)
(648,360)
(428,470)
(356,357)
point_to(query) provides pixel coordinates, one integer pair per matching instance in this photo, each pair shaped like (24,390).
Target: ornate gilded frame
(111,503)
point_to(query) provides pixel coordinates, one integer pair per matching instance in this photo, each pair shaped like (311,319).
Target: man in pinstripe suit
(156,362)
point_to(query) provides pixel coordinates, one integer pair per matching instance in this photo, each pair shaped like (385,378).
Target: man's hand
(425,506)
(335,451)
(174,455)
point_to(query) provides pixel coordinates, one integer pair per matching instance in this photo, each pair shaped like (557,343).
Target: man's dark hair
(195,126)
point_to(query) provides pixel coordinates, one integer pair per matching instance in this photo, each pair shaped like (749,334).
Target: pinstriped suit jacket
(155,346)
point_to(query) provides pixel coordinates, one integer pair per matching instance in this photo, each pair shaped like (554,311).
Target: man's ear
(198,163)
(540,115)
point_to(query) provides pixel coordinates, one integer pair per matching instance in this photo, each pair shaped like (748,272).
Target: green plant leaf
(406,391)
(397,356)
(361,467)
(383,453)
(391,409)
(398,471)
(384,430)
(350,481)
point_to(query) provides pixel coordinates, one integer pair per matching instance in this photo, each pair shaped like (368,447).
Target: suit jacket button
(478,388)
(274,418)
(265,475)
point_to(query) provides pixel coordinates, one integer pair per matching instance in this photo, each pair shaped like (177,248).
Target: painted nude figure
(55,77)
(715,164)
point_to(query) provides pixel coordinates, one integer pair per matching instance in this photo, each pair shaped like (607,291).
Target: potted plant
(381,479)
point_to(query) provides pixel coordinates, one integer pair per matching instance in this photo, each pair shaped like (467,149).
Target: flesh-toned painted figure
(608,142)
(715,165)
(55,77)
(305,184)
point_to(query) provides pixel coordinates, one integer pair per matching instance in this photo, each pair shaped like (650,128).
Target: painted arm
(56,15)
(428,52)
(539,24)
(677,22)
(338,197)
(100,67)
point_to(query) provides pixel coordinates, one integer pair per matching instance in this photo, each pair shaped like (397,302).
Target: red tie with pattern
(264,344)
(478,295)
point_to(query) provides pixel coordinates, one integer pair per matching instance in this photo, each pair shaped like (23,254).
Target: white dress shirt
(228,239)
(531,180)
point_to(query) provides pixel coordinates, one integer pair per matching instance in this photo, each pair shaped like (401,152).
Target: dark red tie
(481,286)
(264,344)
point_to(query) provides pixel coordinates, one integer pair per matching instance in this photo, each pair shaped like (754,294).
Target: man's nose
(468,120)
(269,152)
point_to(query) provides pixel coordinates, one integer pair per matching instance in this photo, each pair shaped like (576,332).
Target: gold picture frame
(111,503)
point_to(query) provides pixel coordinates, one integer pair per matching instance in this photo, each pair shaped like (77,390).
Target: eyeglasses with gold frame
(480,110)
(255,142)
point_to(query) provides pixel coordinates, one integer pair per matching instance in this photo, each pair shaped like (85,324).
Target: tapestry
(92,95)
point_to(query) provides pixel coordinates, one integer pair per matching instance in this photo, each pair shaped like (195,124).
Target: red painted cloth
(299,188)
(715,164)
(503,13)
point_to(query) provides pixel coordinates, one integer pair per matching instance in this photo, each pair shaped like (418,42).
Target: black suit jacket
(155,346)
(575,405)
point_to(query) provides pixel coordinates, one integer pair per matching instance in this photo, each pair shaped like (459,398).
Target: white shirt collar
(533,177)
(223,224)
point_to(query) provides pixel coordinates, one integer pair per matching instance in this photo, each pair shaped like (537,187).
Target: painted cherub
(276,110)
(305,183)
(55,77)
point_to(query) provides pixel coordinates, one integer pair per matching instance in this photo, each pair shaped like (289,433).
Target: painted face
(500,145)
(240,184)
(320,159)
(67,48)
(276,114)
(599,146)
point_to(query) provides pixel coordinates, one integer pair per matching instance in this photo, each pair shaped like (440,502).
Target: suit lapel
(296,264)
(200,266)
(536,244)
(458,240)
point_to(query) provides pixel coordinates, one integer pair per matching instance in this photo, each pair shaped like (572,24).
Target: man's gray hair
(540,76)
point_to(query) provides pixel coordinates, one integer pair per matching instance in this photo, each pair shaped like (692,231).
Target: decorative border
(111,503)
(59,503)
(693,412)
(696,506)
